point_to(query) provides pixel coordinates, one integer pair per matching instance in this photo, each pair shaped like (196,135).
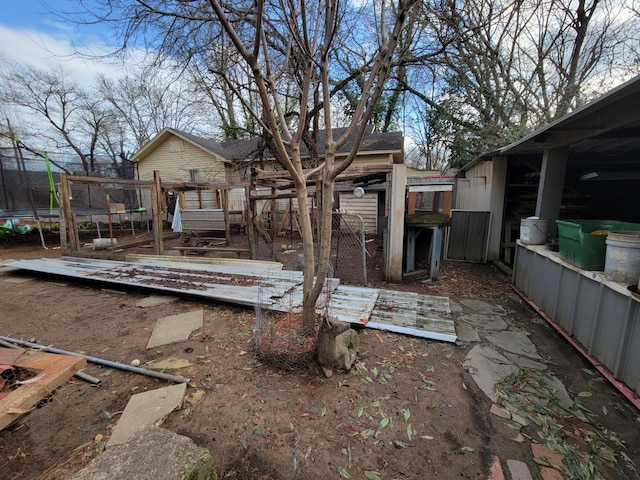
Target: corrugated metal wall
(603,316)
(469,235)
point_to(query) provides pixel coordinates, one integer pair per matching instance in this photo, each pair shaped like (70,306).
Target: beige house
(375,189)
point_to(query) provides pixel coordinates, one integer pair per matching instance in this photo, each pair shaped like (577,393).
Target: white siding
(174,166)
(366,207)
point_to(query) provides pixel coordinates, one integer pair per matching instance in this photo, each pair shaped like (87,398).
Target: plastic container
(104,243)
(534,230)
(580,247)
(622,262)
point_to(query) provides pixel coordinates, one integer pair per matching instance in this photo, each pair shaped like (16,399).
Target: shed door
(469,235)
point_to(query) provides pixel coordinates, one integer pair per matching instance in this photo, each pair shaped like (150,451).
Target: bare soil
(408,410)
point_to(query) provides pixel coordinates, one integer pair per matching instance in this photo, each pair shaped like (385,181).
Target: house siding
(366,207)
(174,166)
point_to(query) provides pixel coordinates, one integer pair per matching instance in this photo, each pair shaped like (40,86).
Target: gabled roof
(250,148)
(608,123)
(208,145)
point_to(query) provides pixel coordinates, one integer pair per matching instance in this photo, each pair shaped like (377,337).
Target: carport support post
(554,166)
(253,246)
(156,214)
(225,212)
(395,226)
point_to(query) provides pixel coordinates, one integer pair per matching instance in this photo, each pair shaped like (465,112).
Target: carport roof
(609,124)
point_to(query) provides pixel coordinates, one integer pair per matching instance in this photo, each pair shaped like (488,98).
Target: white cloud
(44,51)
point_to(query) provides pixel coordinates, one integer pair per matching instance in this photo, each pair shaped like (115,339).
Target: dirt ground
(408,410)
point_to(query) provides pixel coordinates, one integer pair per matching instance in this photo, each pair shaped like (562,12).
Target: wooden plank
(53,371)
(255,265)
(211,249)
(156,213)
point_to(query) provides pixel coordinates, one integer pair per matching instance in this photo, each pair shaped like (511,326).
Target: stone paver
(547,455)
(550,474)
(486,322)
(488,367)
(514,342)
(499,411)
(146,408)
(175,328)
(524,362)
(482,307)
(519,470)
(466,333)
(495,470)
(155,300)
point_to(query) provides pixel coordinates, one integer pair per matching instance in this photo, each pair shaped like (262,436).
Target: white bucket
(104,243)
(622,263)
(534,230)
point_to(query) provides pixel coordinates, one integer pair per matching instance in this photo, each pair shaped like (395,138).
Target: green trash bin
(579,246)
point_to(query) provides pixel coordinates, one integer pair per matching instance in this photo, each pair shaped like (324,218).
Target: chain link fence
(348,258)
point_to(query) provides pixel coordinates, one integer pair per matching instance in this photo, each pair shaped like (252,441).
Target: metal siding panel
(566,298)
(587,304)
(468,237)
(602,318)
(536,281)
(549,301)
(630,363)
(611,327)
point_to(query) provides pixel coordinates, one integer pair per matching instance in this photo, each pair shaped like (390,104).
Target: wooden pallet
(52,371)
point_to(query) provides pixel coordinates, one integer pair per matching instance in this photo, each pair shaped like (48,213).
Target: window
(194,175)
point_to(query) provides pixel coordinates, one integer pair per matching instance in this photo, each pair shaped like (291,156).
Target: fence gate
(348,251)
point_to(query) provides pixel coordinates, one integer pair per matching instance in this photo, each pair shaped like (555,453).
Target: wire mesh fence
(348,249)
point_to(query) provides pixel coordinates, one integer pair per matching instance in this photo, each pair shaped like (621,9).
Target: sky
(33,32)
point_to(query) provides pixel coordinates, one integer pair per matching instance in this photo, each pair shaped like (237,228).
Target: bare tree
(514,66)
(63,113)
(288,48)
(147,100)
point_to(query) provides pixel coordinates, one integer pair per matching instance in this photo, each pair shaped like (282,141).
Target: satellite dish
(358,192)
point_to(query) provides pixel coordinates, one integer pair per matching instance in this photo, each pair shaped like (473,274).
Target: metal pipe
(88,378)
(100,361)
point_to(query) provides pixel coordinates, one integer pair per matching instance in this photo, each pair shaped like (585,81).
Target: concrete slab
(482,307)
(466,333)
(487,367)
(175,328)
(153,453)
(155,300)
(487,322)
(146,408)
(514,342)
(524,362)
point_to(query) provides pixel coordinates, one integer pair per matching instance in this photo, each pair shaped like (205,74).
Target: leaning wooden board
(52,371)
